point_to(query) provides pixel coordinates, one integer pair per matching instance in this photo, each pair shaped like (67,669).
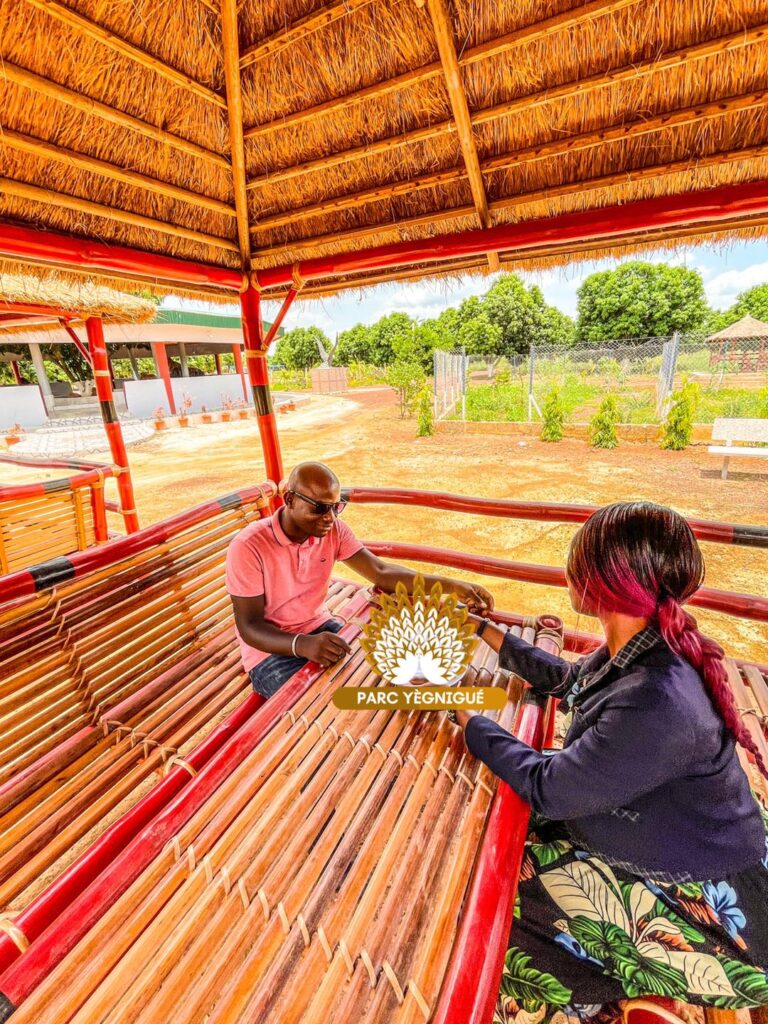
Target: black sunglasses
(321,508)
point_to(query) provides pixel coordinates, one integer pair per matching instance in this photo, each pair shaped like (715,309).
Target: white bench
(741,431)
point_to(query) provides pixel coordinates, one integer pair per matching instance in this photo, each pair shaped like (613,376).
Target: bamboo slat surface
(322,880)
(38,528)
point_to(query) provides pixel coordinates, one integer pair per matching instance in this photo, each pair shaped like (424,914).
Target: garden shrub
(407,379)
(602,428)
(678,427)
(426,424)
(553,417)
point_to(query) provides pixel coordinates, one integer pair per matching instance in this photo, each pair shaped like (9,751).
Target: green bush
(602,427)
(407,379)
(426,425)
(503,375)
(762,404)
(290,380)
(679,423)
(363,375)
(553,417)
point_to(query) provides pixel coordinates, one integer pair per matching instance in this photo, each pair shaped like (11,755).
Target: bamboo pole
(300,30)
(94,108)
(522,104)
(231,48)
(23,190)
(50,151)
(457,96)
(529,33)
(60,12)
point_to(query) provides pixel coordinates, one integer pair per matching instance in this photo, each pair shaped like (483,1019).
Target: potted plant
(186,405)
(242,409)
(13,434)
(227,405)
(206,416)
(159,415)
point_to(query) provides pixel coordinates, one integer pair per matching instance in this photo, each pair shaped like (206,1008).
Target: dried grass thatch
(114,122)
(77,297)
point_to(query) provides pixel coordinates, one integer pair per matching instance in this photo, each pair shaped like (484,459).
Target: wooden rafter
(231,47)
(528,34)
(23,190)
(559,147)
(72,19)
(49,151)
(300,30)
(582,87)
(526,198)
(457,96)
(29,80)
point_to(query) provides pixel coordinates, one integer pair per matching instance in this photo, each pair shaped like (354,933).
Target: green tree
(407,379)
(553,417)
(481,337)
(515,311)
(602,427)
(386,333)
(752,302)
(355,346)
(426,425)
(679,423)
(297,350)
(640,300)
(418,344)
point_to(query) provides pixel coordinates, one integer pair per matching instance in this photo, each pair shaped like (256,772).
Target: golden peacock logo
(417,639)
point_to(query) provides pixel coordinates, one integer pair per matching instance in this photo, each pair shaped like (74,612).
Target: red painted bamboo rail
(541,511)
(747,606)
(58,570)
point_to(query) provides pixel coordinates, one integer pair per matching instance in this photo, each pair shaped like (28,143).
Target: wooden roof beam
(559,147)
(23,190)
(94,108)
(443,28)
(675,58)
(523,199)
(97,32)
(231,46)
(49,151)
(300,30)
(529,33)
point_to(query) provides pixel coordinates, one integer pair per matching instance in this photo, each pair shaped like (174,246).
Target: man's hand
(475,597)
(324,648)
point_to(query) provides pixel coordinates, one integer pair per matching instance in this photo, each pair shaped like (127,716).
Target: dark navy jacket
(648,777)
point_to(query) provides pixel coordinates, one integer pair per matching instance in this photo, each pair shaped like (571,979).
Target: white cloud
(723,288)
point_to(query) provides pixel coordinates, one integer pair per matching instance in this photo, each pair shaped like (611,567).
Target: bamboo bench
(742,431)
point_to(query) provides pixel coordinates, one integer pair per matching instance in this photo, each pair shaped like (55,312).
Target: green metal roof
(189,319)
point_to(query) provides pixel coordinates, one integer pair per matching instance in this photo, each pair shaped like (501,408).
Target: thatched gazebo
(744,344)
(266,149)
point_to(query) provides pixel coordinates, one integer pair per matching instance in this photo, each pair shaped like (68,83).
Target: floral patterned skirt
(586,936)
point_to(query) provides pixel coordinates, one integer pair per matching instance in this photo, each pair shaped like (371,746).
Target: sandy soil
(365,442)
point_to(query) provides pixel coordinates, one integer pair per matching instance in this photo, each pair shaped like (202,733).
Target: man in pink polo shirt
(277,575)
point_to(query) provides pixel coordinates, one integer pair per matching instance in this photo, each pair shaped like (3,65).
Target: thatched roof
(77,297)
(743,330)
(347,124)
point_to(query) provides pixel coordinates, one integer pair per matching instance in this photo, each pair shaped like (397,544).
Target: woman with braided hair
(646,870)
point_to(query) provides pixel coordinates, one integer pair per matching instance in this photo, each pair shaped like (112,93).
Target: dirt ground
(362,438)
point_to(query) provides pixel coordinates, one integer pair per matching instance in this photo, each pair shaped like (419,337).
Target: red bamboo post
(258,375)
(16,372)
(81,348)
(275,326)
(98,351)
(237,352)
(161,362)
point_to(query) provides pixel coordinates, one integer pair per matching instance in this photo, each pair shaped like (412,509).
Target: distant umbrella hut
(740,348)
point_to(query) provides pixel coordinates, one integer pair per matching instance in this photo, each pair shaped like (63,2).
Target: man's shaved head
(314,478)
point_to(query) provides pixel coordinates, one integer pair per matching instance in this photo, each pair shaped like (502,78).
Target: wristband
(293,645)
(482,628)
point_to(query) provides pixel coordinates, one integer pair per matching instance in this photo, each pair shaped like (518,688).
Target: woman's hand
(475,597)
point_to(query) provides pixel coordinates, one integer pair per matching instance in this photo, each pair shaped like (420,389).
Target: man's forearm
(266,637)
(394,574)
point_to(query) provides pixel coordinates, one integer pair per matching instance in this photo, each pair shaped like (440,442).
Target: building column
(42,376)
(256,356)
(134,365)
(217,362)
(183,360)
(237,352)
(160,355)
(101,374)
(16,372)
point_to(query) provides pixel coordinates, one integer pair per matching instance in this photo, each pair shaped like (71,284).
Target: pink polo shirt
(293,577)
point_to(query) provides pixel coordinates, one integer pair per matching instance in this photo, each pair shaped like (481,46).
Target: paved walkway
(77,435)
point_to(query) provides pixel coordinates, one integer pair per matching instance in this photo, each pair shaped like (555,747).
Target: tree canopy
(298,349)
(640,300)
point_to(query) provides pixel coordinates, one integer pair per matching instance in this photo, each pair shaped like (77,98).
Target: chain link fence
(450,383)
(642,374)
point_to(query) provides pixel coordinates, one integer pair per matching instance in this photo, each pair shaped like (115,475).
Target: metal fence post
(531,359)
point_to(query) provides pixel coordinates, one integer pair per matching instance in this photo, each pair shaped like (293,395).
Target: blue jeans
(269,675)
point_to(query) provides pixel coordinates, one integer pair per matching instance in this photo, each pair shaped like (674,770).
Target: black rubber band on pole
(48,574)
(6,1007)
(108,413)
(751,536)
(262,399)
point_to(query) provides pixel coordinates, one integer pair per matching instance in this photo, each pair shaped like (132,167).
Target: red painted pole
(16,372)
(237,352)
(256,356)
(98,350)
(161,362)
(275,327)
(81,348)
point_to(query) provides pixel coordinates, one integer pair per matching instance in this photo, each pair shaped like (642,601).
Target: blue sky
(726,270)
